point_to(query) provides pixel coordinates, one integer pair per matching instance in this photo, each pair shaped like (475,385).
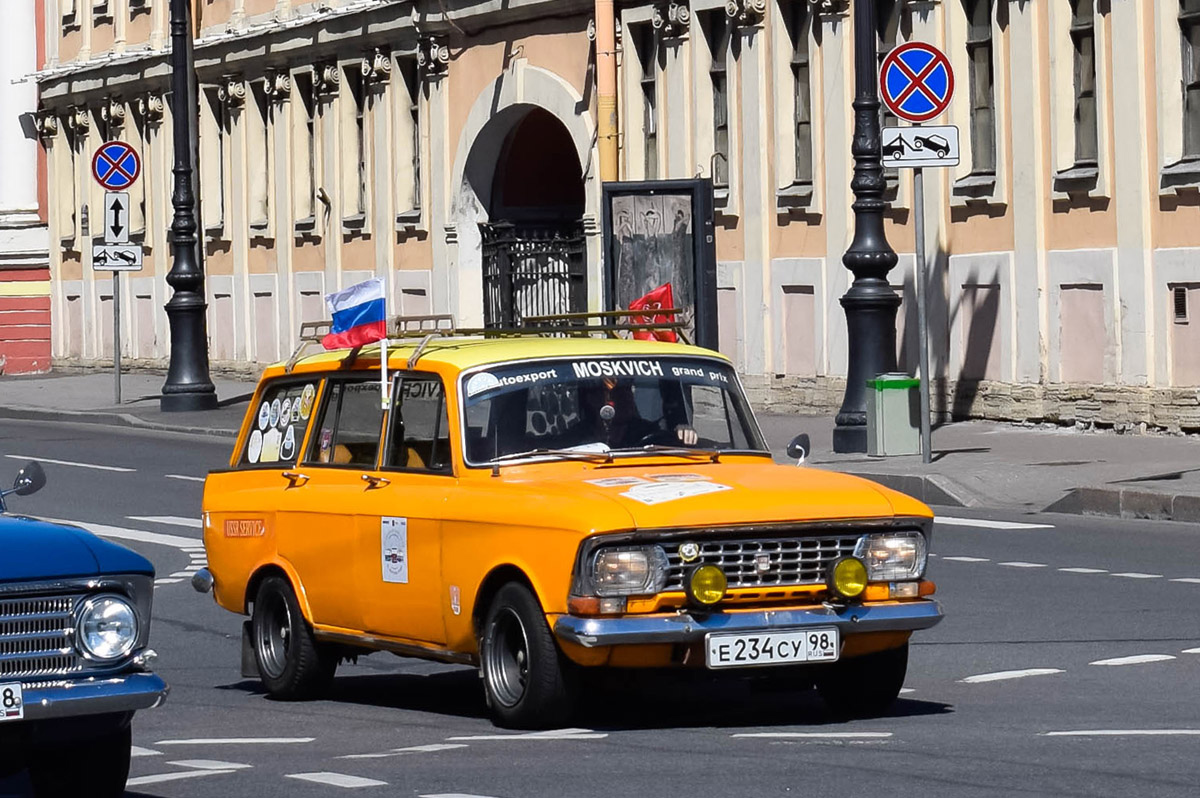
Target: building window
(797,21)
(1189,28)
(716,33)
(214,132)
(646,46)
(354,138)
(1083,41)
(981,83)
(304,126)
(887,28)
(408,134)
(258,151)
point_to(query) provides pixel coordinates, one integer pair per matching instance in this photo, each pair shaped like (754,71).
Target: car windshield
(627,405)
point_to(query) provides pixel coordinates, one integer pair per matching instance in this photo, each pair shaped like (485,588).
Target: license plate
(746,649)
(12,704)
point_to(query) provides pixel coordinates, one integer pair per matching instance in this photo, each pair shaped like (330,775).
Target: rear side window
(282,416)
(419,439)
(347,432)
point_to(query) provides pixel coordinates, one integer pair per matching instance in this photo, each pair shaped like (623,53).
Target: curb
(124,420)
(928,488)
(1129,503)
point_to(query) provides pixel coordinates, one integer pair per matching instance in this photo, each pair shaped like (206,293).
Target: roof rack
(607,323)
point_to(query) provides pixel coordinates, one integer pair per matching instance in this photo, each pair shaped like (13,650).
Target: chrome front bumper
(683,627)
(93,696)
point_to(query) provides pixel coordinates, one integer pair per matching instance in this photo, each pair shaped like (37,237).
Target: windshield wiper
(682,451)
(577,454)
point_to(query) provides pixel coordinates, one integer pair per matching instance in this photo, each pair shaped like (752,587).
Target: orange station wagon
(539,506)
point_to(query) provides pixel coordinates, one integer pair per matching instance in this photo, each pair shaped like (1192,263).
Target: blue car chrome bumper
(93,696)
(683,627)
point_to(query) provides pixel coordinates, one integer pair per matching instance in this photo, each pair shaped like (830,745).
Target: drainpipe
(606,88)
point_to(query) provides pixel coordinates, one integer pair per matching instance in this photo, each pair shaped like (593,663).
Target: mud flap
(249,663)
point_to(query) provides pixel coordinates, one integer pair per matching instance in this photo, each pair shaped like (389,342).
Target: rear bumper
(683,627)
(95,696)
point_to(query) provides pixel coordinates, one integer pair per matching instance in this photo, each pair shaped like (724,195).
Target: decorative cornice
(277,85)
(746,13)
(830,7)
(150,107)
(671,19)
(232,91)
(112,112)
(377,67)
(433,55)
(326,79)
(46,124)
(78,119)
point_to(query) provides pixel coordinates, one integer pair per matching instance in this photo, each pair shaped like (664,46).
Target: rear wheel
(865,686)
(291,663)
(527,682)
(98,767)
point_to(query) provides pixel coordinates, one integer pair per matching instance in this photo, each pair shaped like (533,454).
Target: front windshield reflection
(605,404)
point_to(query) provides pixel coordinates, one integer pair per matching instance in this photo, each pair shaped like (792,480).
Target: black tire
(97,768)
(527,682)
(291,663)
(866,686)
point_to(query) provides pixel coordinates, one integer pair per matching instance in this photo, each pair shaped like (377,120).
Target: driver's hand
(686,434)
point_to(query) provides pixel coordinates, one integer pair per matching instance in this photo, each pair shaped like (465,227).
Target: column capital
(671,19)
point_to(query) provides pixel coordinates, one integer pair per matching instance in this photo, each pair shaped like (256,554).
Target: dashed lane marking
(141,781)
(816,735)
(170,520)
(237,741)
(96,466)
(554,734)
(137,750)
(1137,659)
(1019,564)
(415,749)
(184,477)
(1083,570)
(337,779)
(983,523)
(167,580)
(1188,579)
(1190,651)
(1136,575)
(209,764)
(967,559)
(905,690)
(121,533)
(1124,733)
(1000,676)
(453,795)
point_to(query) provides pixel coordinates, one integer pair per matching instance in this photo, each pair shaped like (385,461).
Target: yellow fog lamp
(847,577)
(705,585)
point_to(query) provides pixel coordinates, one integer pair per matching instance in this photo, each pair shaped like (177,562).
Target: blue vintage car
(74,666)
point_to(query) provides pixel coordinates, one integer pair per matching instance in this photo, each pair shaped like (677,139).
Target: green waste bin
(893,415)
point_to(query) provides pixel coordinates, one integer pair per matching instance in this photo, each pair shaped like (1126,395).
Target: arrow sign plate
(116,258)
(924,146)
(116,217)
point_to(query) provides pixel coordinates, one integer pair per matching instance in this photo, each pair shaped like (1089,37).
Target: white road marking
(1137,659)
(553,734)
(237,741)
(137,750)
(183,774)
(453,795)
(71,463)
(415,749)
(999,676)
(1019,564)
(167,581)
(904,690)
(817,735)
(1190,580)
(1136,575)
(1190,651)
(337,779)
(983,523)
(1083,570)
(171,520)
(967,559)
(1124,733)
(121,533)
(208,764)
(184,476)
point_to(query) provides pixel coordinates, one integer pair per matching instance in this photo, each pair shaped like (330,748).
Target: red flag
(657,299)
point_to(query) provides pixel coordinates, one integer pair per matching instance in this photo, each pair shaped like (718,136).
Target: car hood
(33,550)
(730,493)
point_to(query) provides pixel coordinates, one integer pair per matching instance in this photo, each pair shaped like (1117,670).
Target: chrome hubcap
(506,661)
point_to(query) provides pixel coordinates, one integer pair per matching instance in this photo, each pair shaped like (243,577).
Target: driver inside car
(610,413)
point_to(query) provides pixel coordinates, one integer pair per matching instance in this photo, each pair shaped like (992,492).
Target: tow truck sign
(116,258)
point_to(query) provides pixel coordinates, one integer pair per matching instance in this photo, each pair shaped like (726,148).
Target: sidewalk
(975,463)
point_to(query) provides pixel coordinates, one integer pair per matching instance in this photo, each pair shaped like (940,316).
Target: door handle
(374,481)
(295,477)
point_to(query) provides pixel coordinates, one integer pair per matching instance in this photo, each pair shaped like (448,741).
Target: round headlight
(706,585)
(848,577)
(108,627)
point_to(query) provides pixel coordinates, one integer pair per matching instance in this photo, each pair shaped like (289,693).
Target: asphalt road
(1067,666)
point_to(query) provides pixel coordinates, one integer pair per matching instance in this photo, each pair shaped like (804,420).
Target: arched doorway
(525,172)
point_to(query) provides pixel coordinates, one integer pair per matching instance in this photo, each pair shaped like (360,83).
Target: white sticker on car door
(393,543)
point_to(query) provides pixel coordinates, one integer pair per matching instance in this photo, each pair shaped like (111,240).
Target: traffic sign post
(116,166)
(916,84)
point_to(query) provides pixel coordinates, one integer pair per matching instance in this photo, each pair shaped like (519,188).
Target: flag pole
(383,356)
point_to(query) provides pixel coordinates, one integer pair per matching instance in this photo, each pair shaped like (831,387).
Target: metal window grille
(354,82)
(798,27)
(1189,29)
(1083,40)
(306,194)
(646,46)
(982,86)
(716,30)
(532,270)
(1179,294)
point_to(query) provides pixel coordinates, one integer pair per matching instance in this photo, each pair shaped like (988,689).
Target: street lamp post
(188,386)
(870,303)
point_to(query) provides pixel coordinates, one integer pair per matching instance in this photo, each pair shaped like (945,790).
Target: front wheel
(864,687)
(526,681)
(97,768)
(291,663)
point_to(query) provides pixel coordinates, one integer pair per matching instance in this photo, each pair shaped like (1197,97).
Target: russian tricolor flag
(359,315)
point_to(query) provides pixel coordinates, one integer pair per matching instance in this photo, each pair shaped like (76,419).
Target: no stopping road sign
(116,165)
(916,82)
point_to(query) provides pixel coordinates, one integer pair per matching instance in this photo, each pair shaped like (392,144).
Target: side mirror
(30,479)
(799,448)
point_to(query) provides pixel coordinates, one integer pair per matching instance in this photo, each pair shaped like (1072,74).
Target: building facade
(425,141)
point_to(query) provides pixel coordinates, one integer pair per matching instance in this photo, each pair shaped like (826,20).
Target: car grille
(37,637)
(759,562)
